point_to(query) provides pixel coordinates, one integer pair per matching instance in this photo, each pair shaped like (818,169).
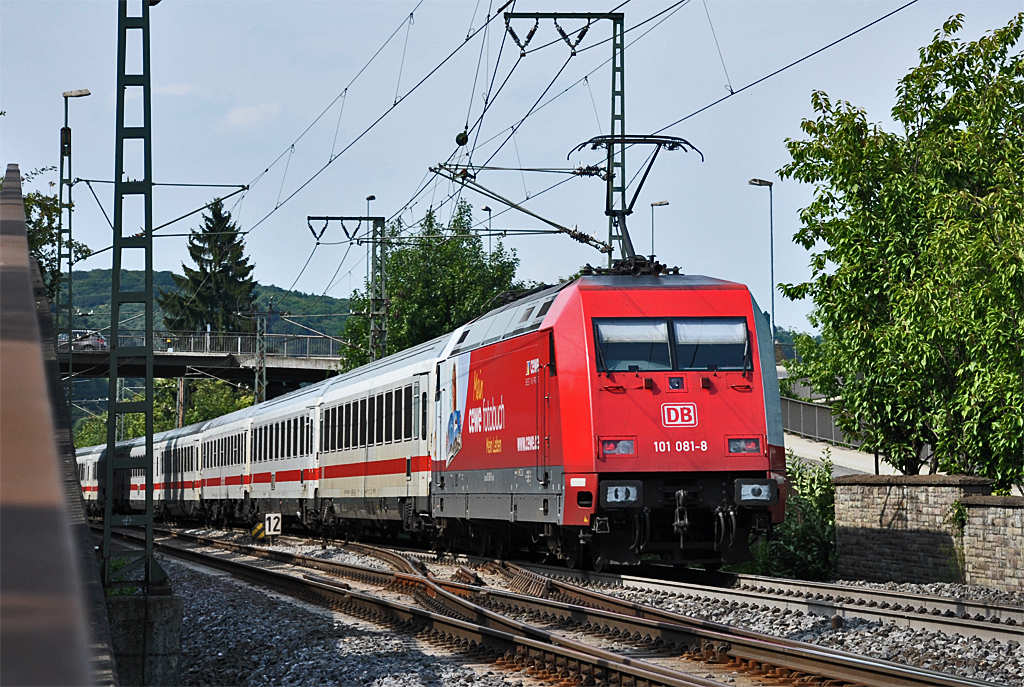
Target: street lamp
(655,204)
(64,234)
(490,236)
(771,240)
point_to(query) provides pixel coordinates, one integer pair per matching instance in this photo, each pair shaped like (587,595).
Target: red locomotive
(636,421)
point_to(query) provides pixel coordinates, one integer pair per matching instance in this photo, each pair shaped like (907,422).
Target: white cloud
(251,116)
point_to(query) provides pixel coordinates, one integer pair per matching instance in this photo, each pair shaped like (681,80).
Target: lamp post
(490,237)
(65,248)
(655,204)
(771,241)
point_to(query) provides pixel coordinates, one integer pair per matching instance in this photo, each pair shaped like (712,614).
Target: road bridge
(291,360)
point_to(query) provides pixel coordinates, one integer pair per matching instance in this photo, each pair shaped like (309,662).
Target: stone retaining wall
(898,527)
(993,542)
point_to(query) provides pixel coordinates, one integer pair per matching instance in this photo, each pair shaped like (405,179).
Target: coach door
(417,453)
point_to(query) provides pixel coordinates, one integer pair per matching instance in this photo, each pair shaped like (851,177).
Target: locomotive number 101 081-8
(680,446)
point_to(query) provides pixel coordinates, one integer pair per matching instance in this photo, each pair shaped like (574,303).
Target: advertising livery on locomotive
(612,419)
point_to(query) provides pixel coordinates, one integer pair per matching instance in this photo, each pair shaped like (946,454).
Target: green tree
(219,287)
(207,399)
(439,279)
(42,220)
(917,242)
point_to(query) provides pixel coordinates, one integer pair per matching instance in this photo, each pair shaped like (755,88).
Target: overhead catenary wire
(340,95)
(405,47)
(788,66)
(367,129)
(728,81)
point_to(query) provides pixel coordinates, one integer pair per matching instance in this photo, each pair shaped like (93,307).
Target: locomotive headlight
(617,447)
(675,383)
(622,494)
(745,445)
(756,492)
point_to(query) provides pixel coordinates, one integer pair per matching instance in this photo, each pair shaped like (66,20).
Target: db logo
(679,415)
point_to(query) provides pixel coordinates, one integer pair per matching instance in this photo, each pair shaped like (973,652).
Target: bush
(804,545)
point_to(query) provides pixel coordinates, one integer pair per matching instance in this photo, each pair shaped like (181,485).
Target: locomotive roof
(678,281)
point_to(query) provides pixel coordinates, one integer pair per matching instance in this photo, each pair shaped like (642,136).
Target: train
(614,419)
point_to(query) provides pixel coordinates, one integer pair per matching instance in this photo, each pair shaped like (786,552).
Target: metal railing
(234,343)
(814,421)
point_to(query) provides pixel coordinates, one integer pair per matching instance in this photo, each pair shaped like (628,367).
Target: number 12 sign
(272,524)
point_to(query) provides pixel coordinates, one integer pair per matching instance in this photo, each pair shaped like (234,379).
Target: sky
(318,104)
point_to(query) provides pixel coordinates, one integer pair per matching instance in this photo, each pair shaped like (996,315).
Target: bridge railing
(280,345)
(814,421)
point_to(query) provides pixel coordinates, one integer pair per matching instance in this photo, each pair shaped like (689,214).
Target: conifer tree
(219,287)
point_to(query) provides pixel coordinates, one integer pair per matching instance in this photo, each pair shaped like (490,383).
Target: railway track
(488,622)
(932,613)
(964,617)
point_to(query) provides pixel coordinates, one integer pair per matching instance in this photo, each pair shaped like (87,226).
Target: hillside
(92,294)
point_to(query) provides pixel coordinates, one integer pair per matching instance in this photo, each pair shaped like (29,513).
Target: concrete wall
(993,542)
(897,527)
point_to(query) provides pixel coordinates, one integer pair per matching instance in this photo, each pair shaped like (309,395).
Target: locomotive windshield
(633,345)
(690,343)
(710,343)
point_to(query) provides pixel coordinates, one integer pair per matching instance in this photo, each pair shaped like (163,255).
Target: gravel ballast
(236,634)
(273,640)
(992,661)
(949,590)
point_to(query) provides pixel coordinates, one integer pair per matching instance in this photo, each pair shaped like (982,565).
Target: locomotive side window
(632,345)
(710,343)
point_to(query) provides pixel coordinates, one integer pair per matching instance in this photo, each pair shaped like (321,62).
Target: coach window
(371,421)
(407,413)
(399,415)
(711,343)
(380,419)
(423,415)
(348,425)
(295,436)
(632,345)
(388,416)
(309,434)
(362,422)
(416,409)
